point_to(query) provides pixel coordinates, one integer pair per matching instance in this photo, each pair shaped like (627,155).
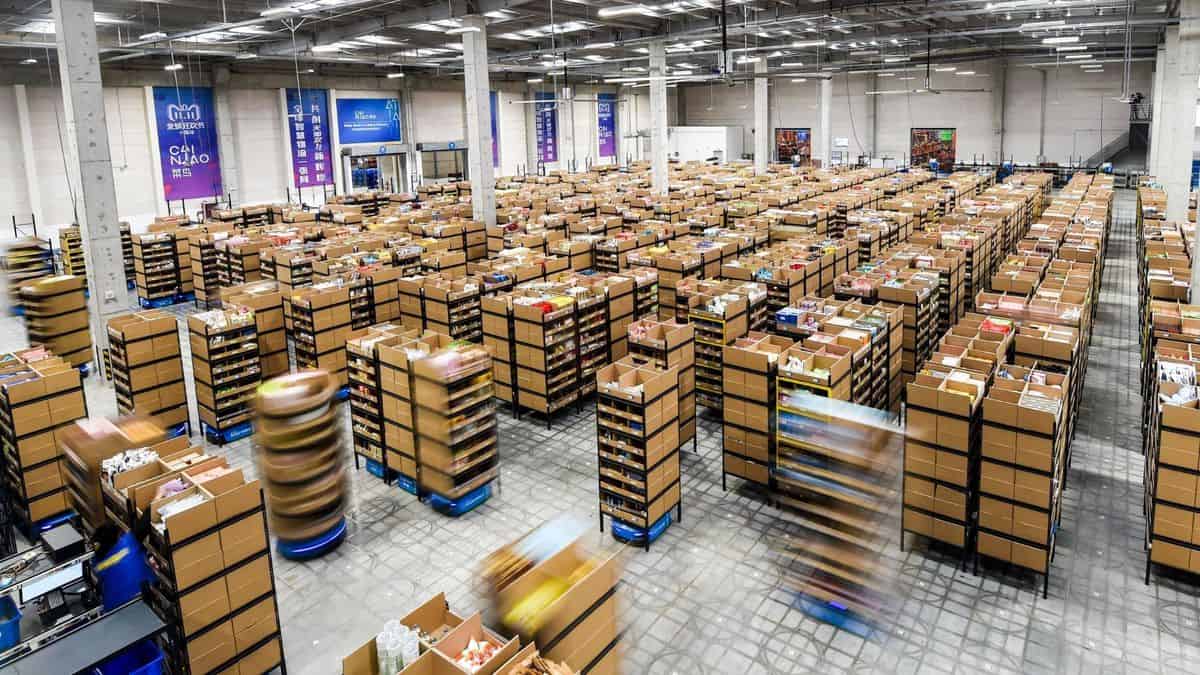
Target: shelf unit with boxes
(321,322)
(637,430)
(546,351)
(56,317)
(40,395)
(156,266)
(366,393)
(452,307)
(918,295)
(70,246)
(214,581)
(592,332)
(127,255)
(666,344)
(226,370)
(718,321)
(147,369)
(206,262)
(394,361)
(1023,465)
(944,423)
(802,439)
(749,372)
(455,422)
(264,298)
(1172,463)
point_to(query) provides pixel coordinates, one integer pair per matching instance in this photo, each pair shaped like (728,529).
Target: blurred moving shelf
(943,420)
(1173,461)
(56,317)
(157,271)
(455,420)
(26,260)
(70,244)
(226,368)
(40,395)
(1024,448)
(836,471)
(321,322)
(264,298)
(214,578)
(749,372)
(637,429)
(367,421)
(147,369)
(666,344)
(718,321)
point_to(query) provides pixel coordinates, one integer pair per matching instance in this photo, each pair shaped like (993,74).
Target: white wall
(14,193)
(258,134)
(437,116)
(132,157)
(1082,114)
(510,123)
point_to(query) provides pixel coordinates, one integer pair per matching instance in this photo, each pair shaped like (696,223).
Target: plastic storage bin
(144,658)
(10,624)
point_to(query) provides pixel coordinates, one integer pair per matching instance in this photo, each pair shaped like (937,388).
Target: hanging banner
(606,124)
(546,126)
(308,129)
(368,120)
(187,142)
(495,130)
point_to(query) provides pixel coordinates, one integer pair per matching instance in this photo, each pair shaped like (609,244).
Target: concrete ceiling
(593,39)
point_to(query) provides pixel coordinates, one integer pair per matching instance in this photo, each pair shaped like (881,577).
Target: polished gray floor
(708,597)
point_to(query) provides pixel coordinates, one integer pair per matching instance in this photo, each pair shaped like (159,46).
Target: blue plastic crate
(375,468)
(181,429)
(406,483)
(457,507)
(637,535)
(144,658)
(10,623)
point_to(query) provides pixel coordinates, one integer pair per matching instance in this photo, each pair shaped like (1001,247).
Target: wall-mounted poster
(494,101)
(606,124)
(368,120)
(187,142)
(939,144)
(546,126)
(792,142)
(308,130)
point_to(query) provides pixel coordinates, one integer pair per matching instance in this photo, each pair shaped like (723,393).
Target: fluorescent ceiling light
(535,80)
(308,71)
(1060,40)
(173,66)
(245,56)
(275,11)
(747,59)
(156,35)
(681,72)
(335,47)
(501,15)
(678,49)
(842,29)
(249,30)
(775,54)
(595,57)
(895,59)
(462,29)
(1074,57)
(906,78)
(46,27)
(28,62)
(625,10)
(808,43)
(633,69)
(394,76)
(379,40)
(600,45)
(800,80)
(945,69)
(1043,24)
(885,74)
(791,64)
(965,72)
(1071,48)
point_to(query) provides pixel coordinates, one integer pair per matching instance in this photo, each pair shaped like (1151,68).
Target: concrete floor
(707,598)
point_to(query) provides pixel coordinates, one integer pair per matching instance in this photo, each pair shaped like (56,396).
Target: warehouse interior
(565,336)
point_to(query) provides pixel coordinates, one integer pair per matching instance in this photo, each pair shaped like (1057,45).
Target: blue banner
(187,142)
(606,124)
(546,126)
(368,120)
(308,129)
(495,130)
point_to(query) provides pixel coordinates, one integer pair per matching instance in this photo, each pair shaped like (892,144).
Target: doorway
(376,172)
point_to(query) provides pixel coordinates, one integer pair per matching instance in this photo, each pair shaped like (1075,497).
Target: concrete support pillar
(825,140)
(1160,65)
(999,94)
(1181,90)
(660,177)
(28,155)
(762,118)
(83,100)
(226,147)
(479,124)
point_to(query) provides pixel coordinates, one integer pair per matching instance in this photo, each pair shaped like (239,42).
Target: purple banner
(606,124)
(495,130)
(187,142)
(308,129)
(546,126)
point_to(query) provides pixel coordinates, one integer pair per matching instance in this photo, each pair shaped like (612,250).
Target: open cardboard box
(433,618)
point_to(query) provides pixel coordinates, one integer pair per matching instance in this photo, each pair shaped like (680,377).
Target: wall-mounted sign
(308,131)
(546,126)
(939,144)
(187,142)
(791,143)
(606,124)
(841,142)
(368,120)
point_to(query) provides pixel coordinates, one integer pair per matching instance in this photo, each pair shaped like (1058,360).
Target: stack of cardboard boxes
(56,317)
(147,368)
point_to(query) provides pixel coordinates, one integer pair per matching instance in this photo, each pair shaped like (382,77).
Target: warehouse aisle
(708,597)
